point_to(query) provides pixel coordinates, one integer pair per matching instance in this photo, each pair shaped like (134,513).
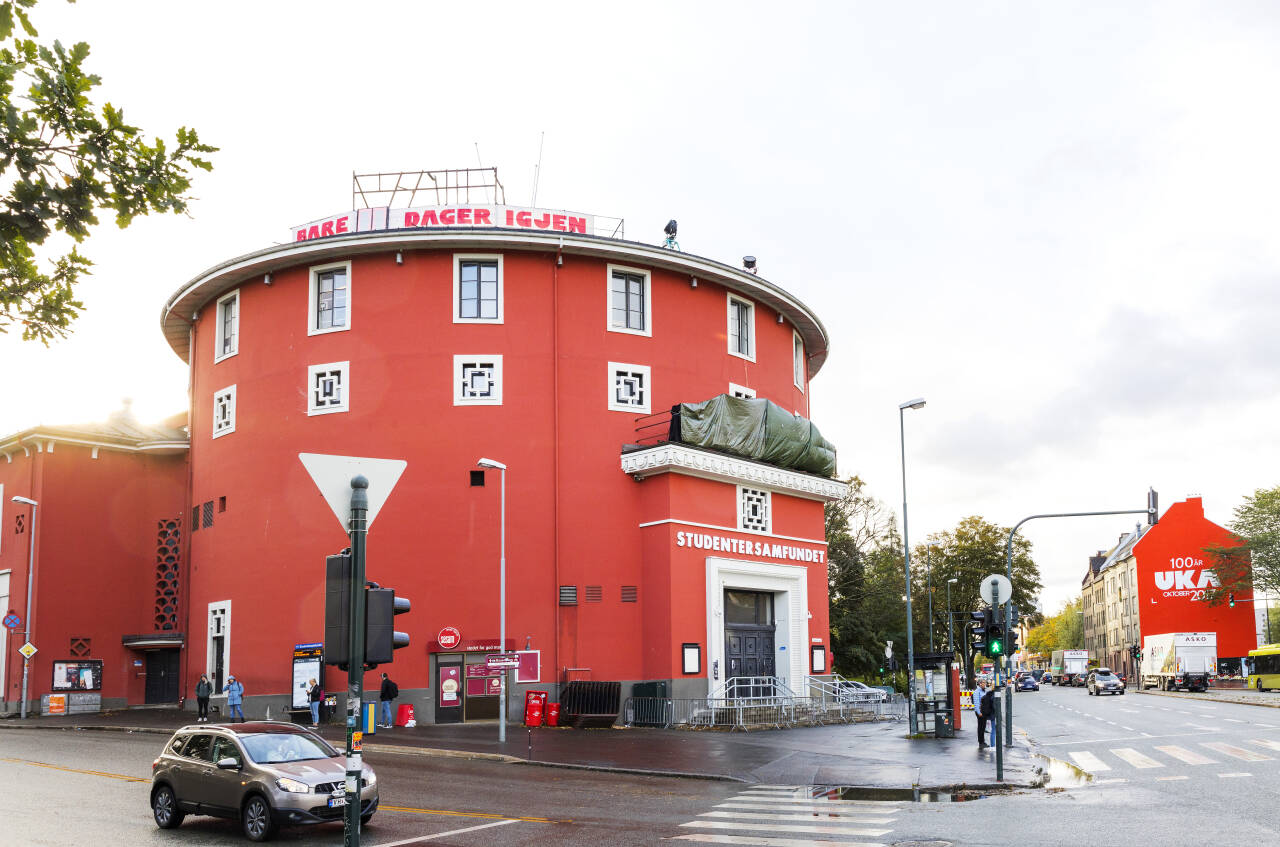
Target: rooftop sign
(442,217)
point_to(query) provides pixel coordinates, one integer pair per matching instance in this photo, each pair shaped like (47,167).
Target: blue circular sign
(12,621)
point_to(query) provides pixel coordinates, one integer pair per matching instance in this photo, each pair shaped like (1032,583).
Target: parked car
(1046,679)
(1103,681)
(1079,680)
(862,691)
(1028,683)
(265,774)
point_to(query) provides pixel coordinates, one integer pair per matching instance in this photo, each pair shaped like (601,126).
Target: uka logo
(1188,577)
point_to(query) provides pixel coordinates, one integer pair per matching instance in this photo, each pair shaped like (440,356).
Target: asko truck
(1066,665)
(1174,660)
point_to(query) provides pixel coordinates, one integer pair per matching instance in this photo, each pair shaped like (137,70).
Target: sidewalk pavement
(871,754)
(1244,696)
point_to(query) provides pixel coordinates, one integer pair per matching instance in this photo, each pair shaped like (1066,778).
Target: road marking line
(818,829)
(888,804)
(758,816)
(817,808)
(1233,720)
(1230,775)
(1170,778)
(1235,752)
(1113,723)
(1128,728)
(452,814)
(1267,742)
(443,834)
(1112,781)
(1135,758)
(109,775)
(1267,725)
(1182,754)
(766,841)
(1088,761)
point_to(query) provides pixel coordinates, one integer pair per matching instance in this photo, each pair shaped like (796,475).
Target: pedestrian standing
(388,692)
(235,696)
(314,697)
(204,688)
(988,715)
(978,692)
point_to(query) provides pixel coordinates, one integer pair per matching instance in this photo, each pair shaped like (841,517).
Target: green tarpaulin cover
(757,429)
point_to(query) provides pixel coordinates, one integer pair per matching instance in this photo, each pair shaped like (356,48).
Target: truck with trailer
(1066,665)
(1179,660)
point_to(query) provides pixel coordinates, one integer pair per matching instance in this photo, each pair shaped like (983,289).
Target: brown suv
(264,774)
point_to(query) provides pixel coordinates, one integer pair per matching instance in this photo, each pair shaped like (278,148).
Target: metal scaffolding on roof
(403,189)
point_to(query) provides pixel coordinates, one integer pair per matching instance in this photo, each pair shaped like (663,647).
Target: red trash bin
(533,703)
(553,714)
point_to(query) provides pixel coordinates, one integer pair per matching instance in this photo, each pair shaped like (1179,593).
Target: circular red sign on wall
(449,637)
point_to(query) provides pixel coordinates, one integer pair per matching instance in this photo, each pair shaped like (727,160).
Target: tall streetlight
(502,594)
(951,633)
(31,572)
(917,403)
(928,564)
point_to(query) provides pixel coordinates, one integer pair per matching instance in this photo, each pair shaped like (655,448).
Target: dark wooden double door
(749,635)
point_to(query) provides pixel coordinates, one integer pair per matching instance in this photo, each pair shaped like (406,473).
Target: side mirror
(228,764)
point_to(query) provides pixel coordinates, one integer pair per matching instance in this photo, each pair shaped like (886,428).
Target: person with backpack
(389,692)
(235,696)
(204,689)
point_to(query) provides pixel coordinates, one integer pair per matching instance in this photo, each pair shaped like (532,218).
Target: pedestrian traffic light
(994,634)
(1011,642)
(381,607)
(337,609)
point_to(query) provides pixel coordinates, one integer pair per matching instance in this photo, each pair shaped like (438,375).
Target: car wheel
(1121,692)
(256,820)
(364,819)
(164,806)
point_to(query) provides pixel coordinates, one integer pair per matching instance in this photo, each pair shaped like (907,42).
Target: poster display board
(450,686)
(77,675)
(308,664)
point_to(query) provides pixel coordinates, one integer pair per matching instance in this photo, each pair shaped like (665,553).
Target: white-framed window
(754,514)
(630,302)
(742,391)
(329,304)
(477,288)
(224,411)
(799,371)
(629,387)
(329,388)
(742,328)
(226,341)
(477,380)
(218,648)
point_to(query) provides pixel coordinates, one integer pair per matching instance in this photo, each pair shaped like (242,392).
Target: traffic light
(978,628)
(994,634)
(1153,506)
(1231,600)
(337,609)
(381,607)
(1011,642)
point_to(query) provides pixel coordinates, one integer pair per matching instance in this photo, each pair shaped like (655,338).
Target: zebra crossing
(1198,754)
(792,816)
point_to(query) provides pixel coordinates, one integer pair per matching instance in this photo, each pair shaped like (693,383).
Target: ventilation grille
(80,647)
(168,541)
(568,595)
(594,593)
(628,594)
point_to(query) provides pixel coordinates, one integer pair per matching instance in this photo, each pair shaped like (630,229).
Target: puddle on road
(913,795)
(1062,774)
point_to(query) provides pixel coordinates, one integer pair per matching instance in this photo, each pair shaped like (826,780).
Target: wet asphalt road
(93,788)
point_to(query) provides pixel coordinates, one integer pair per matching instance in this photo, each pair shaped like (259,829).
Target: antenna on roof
(537,169)
(479,161)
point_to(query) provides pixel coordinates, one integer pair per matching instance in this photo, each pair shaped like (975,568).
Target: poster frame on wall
(92,667)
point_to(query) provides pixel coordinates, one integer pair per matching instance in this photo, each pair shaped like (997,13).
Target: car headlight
(284,783)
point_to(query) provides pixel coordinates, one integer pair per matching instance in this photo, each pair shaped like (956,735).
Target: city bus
(1264,667)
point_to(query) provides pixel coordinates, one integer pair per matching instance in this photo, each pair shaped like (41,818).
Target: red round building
(440,335)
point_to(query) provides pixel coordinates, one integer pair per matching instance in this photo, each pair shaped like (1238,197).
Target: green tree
(62,158)
(1254,561)
(975,549)
(1063,631)
(861,565)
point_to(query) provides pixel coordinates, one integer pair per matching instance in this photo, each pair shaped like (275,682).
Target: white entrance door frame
(790,588)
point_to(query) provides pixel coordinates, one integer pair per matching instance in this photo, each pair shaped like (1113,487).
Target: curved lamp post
(917,403)
(493,464)
(31,571)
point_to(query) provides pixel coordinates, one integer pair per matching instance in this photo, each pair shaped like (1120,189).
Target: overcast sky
(1055,222)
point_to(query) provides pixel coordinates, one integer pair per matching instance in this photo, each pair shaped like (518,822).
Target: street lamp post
(928,564)
(502,594)
(951,635)
(31,571)
(917,403)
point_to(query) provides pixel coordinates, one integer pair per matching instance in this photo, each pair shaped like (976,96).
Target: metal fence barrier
(758,712)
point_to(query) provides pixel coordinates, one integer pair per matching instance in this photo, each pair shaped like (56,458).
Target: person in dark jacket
(315,695)
(204,688)
(389,692)
(986,712)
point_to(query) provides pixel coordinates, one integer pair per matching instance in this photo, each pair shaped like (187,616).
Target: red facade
(555,387)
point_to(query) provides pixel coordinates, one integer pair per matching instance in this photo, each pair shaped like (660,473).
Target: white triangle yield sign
(332,475)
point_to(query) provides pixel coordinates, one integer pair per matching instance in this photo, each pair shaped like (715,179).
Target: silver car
(263,774)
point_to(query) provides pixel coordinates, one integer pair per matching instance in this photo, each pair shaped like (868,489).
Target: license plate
(334,802)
